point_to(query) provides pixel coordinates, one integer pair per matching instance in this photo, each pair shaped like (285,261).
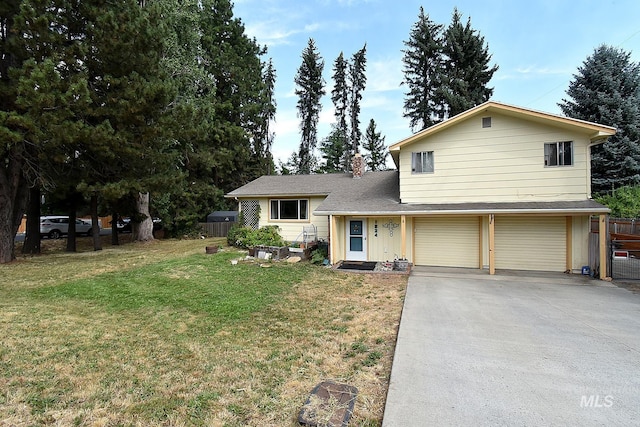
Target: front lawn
(164,334)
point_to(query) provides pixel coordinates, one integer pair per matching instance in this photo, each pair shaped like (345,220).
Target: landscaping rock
(294,259)
(330,405)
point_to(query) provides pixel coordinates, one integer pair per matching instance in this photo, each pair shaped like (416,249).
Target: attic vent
(486,122)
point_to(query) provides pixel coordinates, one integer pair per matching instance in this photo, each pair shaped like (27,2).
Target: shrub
(269,236)
(319,255)
(624,202)
(245,237)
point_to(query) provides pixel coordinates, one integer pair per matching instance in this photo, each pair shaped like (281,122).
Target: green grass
(163,334)
(197,284)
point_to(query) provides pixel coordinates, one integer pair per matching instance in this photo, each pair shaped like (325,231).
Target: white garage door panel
(530,243)
(447,242)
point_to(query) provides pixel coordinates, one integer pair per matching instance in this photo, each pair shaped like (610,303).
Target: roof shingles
(377,193)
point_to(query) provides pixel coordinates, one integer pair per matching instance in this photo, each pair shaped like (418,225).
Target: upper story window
(290,209)
(422,162)
(558,153)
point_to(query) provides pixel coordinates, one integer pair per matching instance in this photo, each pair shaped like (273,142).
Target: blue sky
(538,45)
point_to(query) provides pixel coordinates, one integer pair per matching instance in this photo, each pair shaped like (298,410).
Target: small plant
(359,347)
(372,358)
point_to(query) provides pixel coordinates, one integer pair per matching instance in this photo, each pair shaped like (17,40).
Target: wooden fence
(216,229)
(619,226)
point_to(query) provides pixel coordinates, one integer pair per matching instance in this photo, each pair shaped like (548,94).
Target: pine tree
(357,83)
(15,156)
(309,91)
(340,93)
(263,140)
(333,149)
(423,69)
(220,119)
(43,88)
(467,71)
(374,144)
(131,92)
(606,90)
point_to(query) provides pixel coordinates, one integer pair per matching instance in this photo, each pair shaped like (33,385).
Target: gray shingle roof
(292,185)
(378,193)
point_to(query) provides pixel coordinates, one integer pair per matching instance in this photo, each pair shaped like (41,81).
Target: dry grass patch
(163,334)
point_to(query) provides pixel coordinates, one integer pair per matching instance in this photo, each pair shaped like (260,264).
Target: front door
(357,240)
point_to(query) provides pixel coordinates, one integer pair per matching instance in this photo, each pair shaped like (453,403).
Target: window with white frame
(291,209)
(422,162)
(558,153)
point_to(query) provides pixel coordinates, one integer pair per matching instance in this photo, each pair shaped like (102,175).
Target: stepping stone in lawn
(330,405)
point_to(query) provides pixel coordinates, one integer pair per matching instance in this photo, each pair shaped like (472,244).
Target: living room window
(295,209)
(558,153)
(422,162)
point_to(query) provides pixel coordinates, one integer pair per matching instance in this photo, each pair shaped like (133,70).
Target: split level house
(496,187)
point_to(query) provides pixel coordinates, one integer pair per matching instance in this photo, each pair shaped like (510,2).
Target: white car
(55,227)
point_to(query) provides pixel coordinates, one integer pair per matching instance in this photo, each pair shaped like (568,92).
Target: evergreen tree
(290,167)
(309,91)
(340,93)
(15,155)
(606,90)
(357,83)
(130,93)
(467,71)
(222,113)
(43,84)
(374,144)
(264,137)
(423,73)
(333,149)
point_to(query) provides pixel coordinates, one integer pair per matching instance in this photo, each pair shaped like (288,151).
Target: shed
(223,216)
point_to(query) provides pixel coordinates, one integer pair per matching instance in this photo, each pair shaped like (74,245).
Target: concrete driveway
(515,350)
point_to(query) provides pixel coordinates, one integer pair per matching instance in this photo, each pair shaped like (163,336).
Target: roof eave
(598,131)
(551,211)
(273,195)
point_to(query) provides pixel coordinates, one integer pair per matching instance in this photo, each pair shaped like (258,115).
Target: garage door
(530,243)
(447,242)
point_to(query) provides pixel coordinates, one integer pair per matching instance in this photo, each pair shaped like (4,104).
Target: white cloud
(533,71)
(384,75)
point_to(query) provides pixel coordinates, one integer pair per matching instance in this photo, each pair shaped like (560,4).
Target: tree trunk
(13,200)
(71,236)
(143,231)
(32,236)
(114,229)
(95,228)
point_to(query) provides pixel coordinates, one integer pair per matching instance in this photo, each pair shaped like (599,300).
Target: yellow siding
(580,242)
(382,245)
(504,163)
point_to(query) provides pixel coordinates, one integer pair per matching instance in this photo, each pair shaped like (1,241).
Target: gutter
(465,212)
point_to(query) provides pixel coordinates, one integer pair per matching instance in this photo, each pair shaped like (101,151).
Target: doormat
(358,265)
(330,405)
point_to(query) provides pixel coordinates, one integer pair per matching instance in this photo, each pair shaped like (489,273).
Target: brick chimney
(357,166)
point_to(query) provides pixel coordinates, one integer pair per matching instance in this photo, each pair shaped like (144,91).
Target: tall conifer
(310,89)
(606,90)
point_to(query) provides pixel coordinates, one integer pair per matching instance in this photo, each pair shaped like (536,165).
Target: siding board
(501,163)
